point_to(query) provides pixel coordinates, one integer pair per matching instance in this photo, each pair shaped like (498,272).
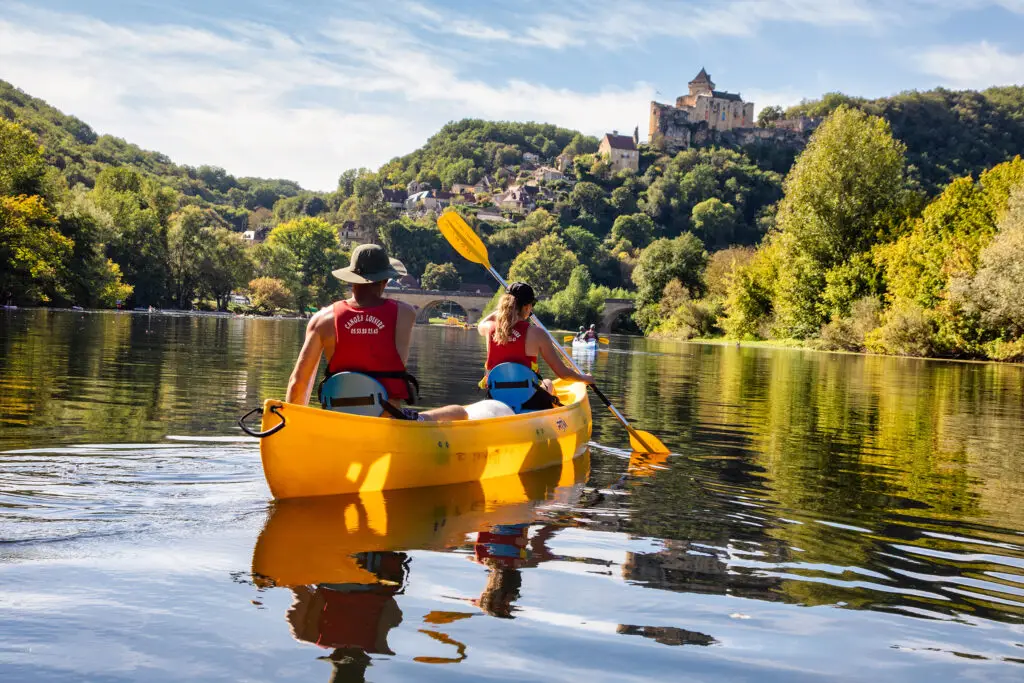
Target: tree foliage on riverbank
(879,237)
(861,260)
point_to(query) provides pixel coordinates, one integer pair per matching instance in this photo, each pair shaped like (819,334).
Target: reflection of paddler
(504,550)
(351,619)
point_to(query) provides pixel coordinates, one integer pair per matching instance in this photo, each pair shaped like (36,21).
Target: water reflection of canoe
(313,540)
(319,452)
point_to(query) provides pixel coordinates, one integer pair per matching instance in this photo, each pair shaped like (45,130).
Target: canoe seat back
(512,384)
(353,393)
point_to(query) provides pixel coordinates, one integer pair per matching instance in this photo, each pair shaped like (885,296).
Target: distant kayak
(579,344)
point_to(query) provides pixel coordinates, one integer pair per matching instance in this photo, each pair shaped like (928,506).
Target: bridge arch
(441,308)
(471,303)
(613,309)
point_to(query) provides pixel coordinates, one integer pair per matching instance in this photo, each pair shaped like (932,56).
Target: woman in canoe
(512,339)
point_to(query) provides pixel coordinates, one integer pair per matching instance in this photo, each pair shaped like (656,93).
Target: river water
(822,517)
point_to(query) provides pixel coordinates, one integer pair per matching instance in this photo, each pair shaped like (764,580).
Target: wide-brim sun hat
(369,264)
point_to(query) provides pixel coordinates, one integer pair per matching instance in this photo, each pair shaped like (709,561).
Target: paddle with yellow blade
(471,247)
(569,337)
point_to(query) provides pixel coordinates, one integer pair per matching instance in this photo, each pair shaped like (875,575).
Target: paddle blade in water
(650,443)
(463,239)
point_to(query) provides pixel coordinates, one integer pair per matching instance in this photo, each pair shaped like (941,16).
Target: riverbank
(816,346)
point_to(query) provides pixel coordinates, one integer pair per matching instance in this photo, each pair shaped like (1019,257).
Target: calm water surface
(823,517)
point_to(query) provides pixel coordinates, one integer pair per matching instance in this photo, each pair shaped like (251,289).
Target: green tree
(571,306)
(226,265)
(315,245)
(185,250)
(994,293)
(443,277)
(269,295)
(32,250)
(138,209)
(682,258)
(846,192)
(714,221)
(767,117)
(546,265)
(415,244)
(637,229)
(21,161)
(92,279)
(276,261)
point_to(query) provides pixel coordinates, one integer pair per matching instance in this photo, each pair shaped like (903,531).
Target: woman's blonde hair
(508,316)
(510,308)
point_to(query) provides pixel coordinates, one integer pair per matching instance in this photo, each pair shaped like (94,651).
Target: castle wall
(670,126)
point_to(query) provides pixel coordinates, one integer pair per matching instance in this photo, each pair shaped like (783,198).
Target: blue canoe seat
(512,384)
(353,393)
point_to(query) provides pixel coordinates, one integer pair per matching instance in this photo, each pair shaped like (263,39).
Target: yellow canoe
(319,452)
(313,540)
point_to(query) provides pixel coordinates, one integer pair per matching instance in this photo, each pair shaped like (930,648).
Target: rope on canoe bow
(259,435)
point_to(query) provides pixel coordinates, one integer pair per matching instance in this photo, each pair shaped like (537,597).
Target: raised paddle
(471,247)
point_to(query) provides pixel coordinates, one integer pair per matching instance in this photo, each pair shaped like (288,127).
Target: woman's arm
(485,326)
(554,359)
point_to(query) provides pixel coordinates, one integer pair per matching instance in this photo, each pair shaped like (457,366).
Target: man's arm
(300,384)
(403,330)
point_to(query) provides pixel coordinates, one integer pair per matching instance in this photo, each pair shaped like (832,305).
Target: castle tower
(701,84)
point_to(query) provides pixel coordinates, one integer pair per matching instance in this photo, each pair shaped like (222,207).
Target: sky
(304,89)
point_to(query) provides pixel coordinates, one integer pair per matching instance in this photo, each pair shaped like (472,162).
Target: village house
(620,151)
(394,198)
(257,235)
(529,158)
(428,200)
(563,162)
(517,199)
(547,174)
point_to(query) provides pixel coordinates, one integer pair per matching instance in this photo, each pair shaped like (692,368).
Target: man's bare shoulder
(402,306)
(322,320)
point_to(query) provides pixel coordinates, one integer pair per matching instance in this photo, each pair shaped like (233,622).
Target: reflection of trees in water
(667,635)
(779,447)
(136,377)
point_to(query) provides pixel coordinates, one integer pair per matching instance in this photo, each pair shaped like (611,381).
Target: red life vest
(512,352)
(364,341)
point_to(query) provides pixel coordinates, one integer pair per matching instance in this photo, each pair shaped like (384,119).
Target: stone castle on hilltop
(707,116)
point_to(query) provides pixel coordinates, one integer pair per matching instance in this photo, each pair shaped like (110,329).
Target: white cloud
(614,24)
(260,102)
(978,65)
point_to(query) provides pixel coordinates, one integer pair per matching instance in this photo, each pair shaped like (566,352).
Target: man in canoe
(366,333)
(512,339)
(591,334)
(581,334)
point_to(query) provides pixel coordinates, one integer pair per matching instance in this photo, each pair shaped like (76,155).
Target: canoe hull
(584,346)
(320,453)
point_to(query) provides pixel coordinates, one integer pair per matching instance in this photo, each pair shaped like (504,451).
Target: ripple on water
(56,494)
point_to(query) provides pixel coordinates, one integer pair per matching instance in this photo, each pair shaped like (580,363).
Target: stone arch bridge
(613,308)
(425,301)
